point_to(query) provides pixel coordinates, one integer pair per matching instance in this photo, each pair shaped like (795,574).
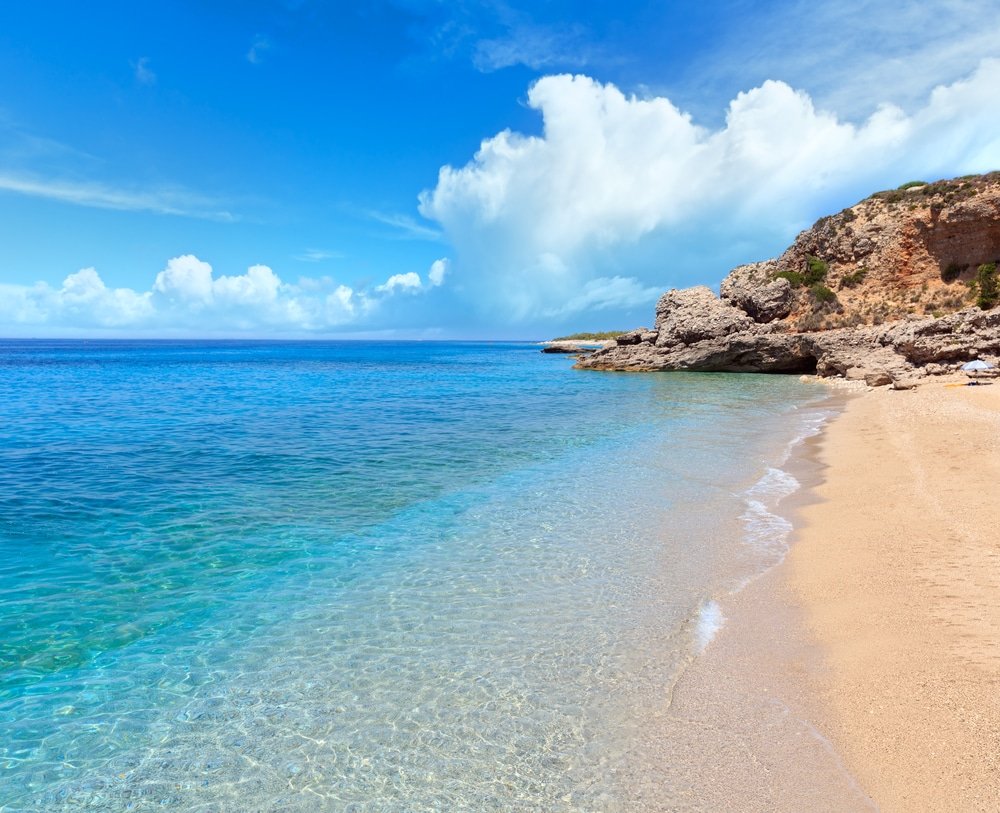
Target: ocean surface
(322,576)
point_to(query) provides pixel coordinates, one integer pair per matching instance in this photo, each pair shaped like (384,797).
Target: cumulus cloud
(409,281)
(82,298)
(187,296)
(538,221)
(186,279)
(437,271)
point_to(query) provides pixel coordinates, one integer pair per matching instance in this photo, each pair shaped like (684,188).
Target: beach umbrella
(977,365)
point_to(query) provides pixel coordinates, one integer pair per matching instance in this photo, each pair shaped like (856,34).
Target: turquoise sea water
(361,576)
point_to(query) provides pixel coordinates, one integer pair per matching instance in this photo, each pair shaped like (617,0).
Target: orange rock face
(883,291)
(911,252)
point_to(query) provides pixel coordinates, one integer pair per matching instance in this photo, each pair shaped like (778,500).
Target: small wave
(811,425)
(710,621)
(774,486)
(765,531)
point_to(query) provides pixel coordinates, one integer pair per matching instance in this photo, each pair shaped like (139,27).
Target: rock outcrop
(756,291)
(570,346)
(881,292)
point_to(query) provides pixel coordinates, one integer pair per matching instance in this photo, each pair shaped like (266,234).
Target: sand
(896,569)
(863,673)
(741,728)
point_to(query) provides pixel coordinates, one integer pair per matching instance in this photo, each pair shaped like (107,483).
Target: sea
(364,576)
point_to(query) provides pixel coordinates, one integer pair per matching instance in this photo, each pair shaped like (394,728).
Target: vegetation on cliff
(904,283)
(589,337)
(916,250)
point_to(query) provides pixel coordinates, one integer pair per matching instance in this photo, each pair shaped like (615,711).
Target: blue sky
(412,168)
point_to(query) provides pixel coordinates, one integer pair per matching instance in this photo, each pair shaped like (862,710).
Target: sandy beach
(896,569)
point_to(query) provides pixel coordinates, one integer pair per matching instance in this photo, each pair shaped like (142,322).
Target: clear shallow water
(381,576)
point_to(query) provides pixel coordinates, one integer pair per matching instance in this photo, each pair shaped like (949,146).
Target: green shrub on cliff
(987,286)
(815,270)
(855,278)
(822,294)
(794,277)
(590,337)
(815,273)
(911,184)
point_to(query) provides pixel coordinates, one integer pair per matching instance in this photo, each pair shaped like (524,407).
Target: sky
(421,169)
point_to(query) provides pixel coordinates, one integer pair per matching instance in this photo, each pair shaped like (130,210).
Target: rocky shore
(576,345)
(899,286)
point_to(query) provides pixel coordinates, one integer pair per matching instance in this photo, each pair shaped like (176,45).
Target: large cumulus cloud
(633,186)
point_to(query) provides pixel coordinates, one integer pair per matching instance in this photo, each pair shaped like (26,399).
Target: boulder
(632,336)
(693,315)
(878,378)
(754,290)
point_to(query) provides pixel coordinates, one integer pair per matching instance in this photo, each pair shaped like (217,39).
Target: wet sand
(742,729)
(863,673)
(896,568)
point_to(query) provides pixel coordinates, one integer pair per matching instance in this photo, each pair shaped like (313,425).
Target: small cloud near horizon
(188,295)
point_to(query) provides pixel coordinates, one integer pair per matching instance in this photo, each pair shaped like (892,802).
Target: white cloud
(81,299)
(842,46)
(258,286)
(343,304)
(537,222)
(603,293)
(172,201)
(187,296)
(40,167)
(436,274)
(186,279)
(410,281)
(405,227)
(533,45)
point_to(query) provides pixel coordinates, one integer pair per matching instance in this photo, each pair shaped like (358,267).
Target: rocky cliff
(901,284)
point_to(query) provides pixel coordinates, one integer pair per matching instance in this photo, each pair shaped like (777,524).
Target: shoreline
(862,672)
(751,684)
(895,568)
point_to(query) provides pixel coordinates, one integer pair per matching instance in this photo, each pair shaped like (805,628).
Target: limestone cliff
(885,289)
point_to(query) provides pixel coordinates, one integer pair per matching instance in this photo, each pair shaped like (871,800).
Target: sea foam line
(764,530)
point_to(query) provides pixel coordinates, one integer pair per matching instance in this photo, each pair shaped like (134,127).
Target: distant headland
(901,285)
